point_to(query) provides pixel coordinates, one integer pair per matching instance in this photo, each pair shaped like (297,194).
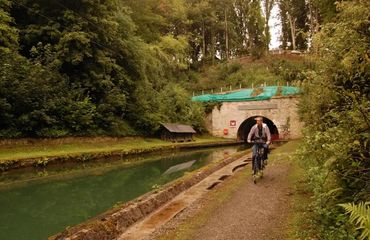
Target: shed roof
(178,128)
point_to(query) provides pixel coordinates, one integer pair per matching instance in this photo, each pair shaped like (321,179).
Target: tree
(294,23)
(255,25)
(113,58)
(249,25)
(92,44)
(268,5)
(8,33)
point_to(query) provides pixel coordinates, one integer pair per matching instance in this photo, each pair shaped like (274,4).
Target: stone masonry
(282,111)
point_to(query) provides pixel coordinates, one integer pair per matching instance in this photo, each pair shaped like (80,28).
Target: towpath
(239,209)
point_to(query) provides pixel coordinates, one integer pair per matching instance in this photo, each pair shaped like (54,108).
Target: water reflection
(179,167)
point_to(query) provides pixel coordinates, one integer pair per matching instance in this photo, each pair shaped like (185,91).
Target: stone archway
(247,124)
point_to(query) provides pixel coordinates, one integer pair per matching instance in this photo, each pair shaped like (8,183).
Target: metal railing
(230,88)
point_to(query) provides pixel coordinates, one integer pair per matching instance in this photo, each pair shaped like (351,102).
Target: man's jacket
(255,133)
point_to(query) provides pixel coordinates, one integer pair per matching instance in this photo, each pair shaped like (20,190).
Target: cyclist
(260,133)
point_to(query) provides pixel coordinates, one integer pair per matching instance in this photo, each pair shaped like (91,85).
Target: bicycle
(258,162)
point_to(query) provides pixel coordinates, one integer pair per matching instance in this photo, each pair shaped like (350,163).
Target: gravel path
(252,211)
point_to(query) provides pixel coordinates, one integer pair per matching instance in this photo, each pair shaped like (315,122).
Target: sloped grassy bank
(102,152)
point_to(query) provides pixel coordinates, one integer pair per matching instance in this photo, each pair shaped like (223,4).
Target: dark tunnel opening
(246,126)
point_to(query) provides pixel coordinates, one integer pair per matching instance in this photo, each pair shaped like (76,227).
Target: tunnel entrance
(246,126)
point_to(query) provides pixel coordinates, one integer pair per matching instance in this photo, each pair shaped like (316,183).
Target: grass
(300,226)
(45,149)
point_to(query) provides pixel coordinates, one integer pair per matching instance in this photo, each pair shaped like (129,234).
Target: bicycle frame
(257,163)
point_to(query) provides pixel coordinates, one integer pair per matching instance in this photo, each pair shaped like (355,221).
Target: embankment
(82,157)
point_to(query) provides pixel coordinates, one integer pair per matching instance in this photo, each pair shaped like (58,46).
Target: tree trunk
(212,47)
(268,8)
(292,29)
(203,39)
(314,18)
(226,38)
(317,23)
(268,36)
(312,27)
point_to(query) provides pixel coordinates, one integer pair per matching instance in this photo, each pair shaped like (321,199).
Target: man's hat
(259,118)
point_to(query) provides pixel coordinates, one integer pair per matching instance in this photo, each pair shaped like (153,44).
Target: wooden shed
(177,132)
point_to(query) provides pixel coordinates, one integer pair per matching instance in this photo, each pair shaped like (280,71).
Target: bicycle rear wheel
(255,169)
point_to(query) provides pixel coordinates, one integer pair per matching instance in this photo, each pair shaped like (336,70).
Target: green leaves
(336,149)
(8,33)
(360,216)
(74,47)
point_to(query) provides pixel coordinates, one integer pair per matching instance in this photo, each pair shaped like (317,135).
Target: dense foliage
(111,67)
(335,109)
(245,73)
(301,19)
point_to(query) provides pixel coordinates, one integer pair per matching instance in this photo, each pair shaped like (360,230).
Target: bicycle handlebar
(260,142)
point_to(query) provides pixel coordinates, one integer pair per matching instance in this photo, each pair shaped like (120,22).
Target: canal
(37,204)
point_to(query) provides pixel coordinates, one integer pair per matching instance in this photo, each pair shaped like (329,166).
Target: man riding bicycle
(260,134)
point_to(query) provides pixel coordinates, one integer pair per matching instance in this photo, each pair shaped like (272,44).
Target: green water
(35,205)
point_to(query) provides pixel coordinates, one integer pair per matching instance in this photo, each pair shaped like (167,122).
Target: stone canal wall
(114,222)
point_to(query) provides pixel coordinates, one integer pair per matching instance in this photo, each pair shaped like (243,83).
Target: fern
(360,216)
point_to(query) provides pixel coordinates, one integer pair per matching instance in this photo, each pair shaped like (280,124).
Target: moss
(42,162)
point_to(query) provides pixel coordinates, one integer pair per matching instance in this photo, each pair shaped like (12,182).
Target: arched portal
(246,126)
